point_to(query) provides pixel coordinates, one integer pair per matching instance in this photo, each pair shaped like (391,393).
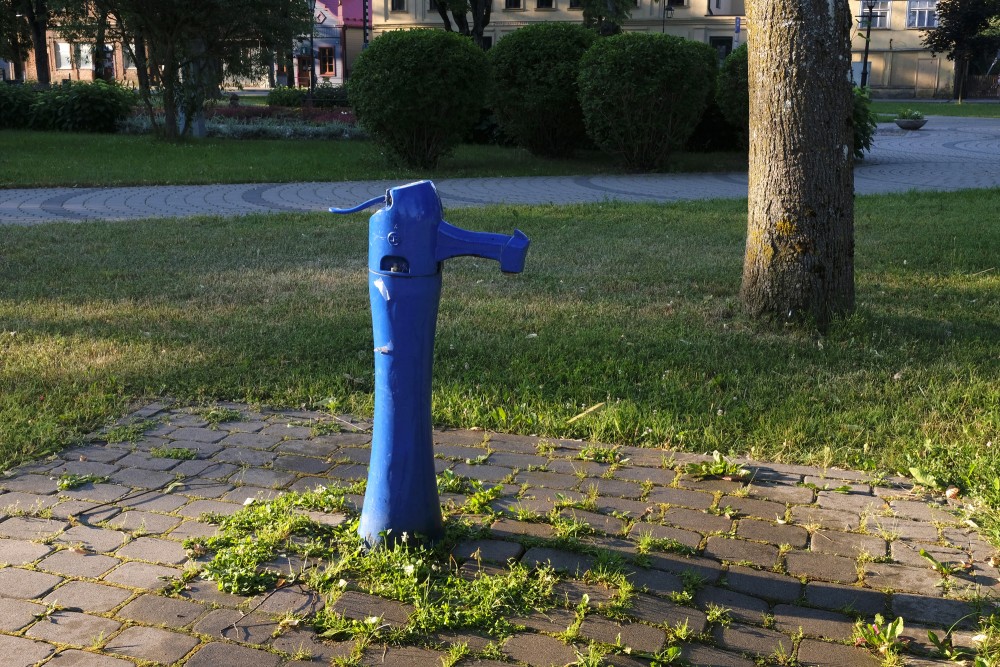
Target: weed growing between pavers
(444,594)
(179,453)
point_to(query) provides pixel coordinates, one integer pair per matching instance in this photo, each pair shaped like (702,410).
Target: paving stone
(152,644)
(905,529)
(782,493)
(101,454)
(539,650)
(21,552)
(196,508)
(26,584)
(654,581)
(513,529)
(698,500)
(262,477)
(142,479)
(20,652)
(16,614)
(907,553)
(204,489)
(296,599)
(826,567)
(562,561)
(571,467)
(262,440)
(741,551)
(665,613)
(320,652)
(356,605)
(219,654)
(844,598)
(198,434)
(146,522)
(635,636)
(494,551)
(245,457)
(70,563)
(406,656)
(848,544)
(207,592)
(155,501)
(706,568)
(18,502)
(148,461)
(301,464)
(87,596)
(765,531)
(352,454)
(98,493)
(601,522)
(206,469)
(920,511)
(695,520)
(252,628)
(73,628)
(635,509)
(162,611)
(347,472)
(315,448)
(708,656)
(84,511)
(519,461)
(75,658)
(810,515)
(101,540)
(142,575)
(752,507)
(933,610)
(753,640)
(240,494)
(659,476)
(154,550)
(549,480)
(31,528)
(570,592)
(813,622)
(552,621)
(741,607)
(901,578)
(483,473)
(765,585)
(35,484)
(287,431)
(519,506)
(813,653)
(614,487)
(688,538)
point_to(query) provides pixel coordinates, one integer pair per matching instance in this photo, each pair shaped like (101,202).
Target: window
(327,61)
(879,14)
(64,58)
(675,3)
(84,56)
(543,4)
(487,42)
(575,4)
(397,6)
(432,6)
(511,4)
(127,59)
(921,14)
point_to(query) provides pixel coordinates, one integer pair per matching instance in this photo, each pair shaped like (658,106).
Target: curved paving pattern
(948,154)
(794,555)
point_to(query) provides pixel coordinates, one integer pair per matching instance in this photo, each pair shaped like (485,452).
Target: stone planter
(910,123)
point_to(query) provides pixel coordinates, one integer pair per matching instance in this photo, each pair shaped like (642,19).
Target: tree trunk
(38,17)
(799,262)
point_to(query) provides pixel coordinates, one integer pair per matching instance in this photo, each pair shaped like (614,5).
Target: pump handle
(360,207)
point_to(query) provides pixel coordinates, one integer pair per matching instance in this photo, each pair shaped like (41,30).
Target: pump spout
(510,251)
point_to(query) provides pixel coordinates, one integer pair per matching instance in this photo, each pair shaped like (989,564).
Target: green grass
(631,305)
(50,159)
(887,109)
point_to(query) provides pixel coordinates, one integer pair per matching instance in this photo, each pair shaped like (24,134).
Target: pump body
(407,244)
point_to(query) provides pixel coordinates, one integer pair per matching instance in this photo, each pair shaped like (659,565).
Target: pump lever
(510,251)
(360,207)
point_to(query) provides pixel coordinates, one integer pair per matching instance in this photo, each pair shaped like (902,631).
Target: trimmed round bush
(419,92)
(82,107)
(283,96)
(732,91)
(15,105)
(643,93)
(535,97)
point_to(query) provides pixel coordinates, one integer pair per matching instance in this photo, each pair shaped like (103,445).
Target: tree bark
(38,16)
(799,262)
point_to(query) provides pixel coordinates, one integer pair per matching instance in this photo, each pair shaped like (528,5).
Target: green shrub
(15,105)
(643,93)
(864,121)
(419,92)
(328,95)
(283,96)
(732,91)
(81,107)
(535,96)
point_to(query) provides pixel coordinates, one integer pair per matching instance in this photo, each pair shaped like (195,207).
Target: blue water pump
(407,242)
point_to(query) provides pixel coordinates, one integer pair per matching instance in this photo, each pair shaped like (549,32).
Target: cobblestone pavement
(948,154)
(795,555)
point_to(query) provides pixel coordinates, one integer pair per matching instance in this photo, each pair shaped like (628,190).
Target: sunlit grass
(631,305)
(889,108)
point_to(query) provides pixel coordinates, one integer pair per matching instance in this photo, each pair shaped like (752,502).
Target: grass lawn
(631,305)
(887,109)
(40,159)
